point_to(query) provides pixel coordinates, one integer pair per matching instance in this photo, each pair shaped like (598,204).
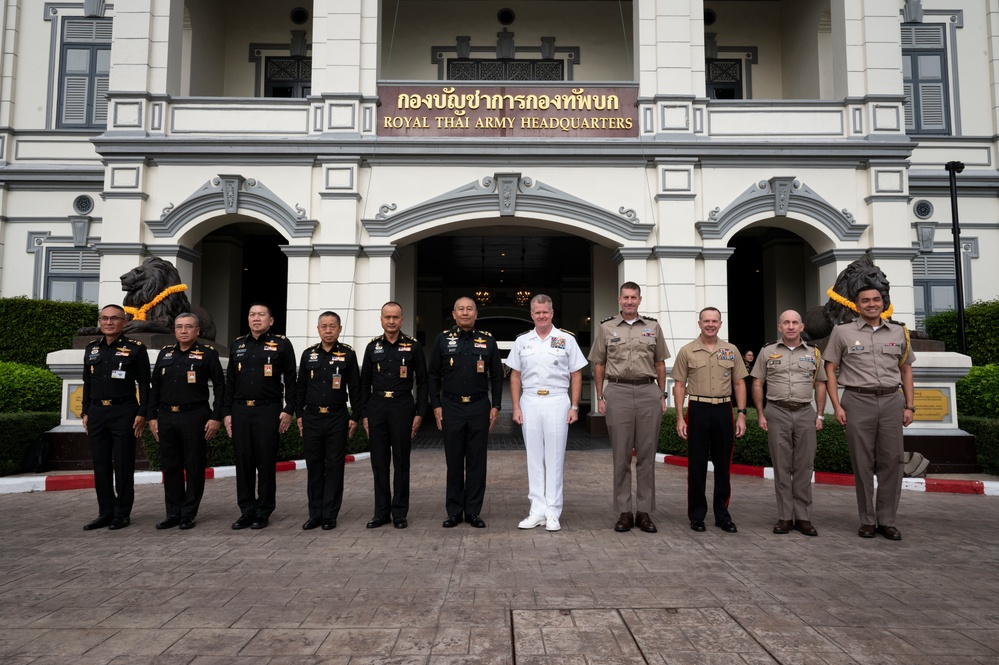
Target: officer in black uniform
(327,376)
(465,370)
(393,363)
(181,420)
(113,366)
(260,380)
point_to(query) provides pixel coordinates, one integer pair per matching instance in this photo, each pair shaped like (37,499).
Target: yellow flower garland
(849,303)
(139,313)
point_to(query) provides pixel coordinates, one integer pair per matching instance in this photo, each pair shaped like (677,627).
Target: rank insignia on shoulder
(608,318)
(134,341)
(167,346)
(280,336)
(646,317)
(567,332)
(346,346)
(483,332)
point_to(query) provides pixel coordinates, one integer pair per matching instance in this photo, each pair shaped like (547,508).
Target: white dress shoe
(531,521)
(551,524)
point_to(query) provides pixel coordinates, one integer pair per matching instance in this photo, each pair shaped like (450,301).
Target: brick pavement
(498,595)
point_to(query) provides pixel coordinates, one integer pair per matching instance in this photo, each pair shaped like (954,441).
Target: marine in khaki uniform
(709,371)
(873,358)
(630,353)
(793,371)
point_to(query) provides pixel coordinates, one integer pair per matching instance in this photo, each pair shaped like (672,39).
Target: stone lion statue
(860,275)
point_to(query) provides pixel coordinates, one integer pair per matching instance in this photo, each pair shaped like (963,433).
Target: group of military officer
(259,395)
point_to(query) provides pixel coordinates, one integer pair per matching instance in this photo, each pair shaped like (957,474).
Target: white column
(375,285)
(298,329)
(336,290)
(677,287)
(715,281)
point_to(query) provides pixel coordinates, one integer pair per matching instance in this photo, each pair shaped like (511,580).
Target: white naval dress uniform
(545,366)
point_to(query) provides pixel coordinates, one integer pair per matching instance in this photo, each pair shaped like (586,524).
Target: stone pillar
(375,285)
(714,293)
(344,64)
(336,290)
(298,328)
(678,308)
(147,56)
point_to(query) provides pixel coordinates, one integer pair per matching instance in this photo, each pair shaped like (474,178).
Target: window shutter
(933,266)
(74,100)
(101,100)
(74,261)
(931,107)
(909,103)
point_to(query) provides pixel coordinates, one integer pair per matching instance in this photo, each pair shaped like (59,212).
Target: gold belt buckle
(542,392)
(389,393)
(466,399)
(251,402)
(105,402)
(174,409)
(324,409)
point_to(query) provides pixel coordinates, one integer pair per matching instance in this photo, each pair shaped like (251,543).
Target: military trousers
(710,432)
(390,424)
(255,438)
(111,436)
(634,415)
(183,454)
(466,436)
(875,440)
(324,444)
(792,440)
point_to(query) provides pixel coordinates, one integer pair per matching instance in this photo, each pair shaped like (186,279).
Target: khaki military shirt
(868,358)
(709,373)
(790,373)
(629,351)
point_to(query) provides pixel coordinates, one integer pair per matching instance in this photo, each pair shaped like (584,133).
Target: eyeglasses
(111,319)
(185,326)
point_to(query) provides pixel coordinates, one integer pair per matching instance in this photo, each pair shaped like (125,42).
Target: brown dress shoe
(644,522)
(625,522)
(890,532)
(805,527)
(782,526)
(866,531)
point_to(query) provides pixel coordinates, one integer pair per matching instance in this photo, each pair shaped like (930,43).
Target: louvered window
(85,67)
(73,275)
(934,285)
(924,79)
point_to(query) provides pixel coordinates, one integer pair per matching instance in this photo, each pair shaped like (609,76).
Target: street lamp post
(953,168)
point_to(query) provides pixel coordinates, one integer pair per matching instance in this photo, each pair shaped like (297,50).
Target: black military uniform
(465,369)
(325,380)
(111,373)
(179,404)
(260,371)
(388,374)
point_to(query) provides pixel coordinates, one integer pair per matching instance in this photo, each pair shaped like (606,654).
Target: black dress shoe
(376,522)
(170,522)
(645,523)
(805,527)
(698,525)
(476,521)
(259,522)
(889,532)
(452,521)
(329,523)
(312,523)
(400,522)
(243,522)
(99,523)
(728,526)
(119,523)
(624,522)
(866,530)
(186,522)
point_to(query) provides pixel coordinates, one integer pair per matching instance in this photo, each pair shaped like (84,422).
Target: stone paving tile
(212,641)
(373,642)
(65,643)
(270,641)
(139,616)
(142,641)
(199,616)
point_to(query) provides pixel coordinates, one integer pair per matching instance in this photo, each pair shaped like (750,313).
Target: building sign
(508,111)
(932,404)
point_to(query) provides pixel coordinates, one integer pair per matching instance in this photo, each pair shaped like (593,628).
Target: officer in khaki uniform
(793,371)
(710,370)
(874,358)
(630,353)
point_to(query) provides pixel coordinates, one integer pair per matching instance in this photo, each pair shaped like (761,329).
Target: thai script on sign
(457,103)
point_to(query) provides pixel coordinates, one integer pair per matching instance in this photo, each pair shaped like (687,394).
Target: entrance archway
(769,272)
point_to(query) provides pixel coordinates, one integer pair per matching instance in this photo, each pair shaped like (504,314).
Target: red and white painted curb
(79,481)
(986,487)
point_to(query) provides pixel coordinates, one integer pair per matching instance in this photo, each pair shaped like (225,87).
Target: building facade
(336,154)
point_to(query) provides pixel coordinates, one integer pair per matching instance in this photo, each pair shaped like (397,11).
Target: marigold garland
(139,313)
(849,303)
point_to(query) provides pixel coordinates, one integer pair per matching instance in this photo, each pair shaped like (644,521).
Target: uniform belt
(322,410)
(391,394)
(181,408)
(632,382)
(255,402)
(709,400)
(545,392)
(114,401)
(880,392)
(464,399)
(789,405)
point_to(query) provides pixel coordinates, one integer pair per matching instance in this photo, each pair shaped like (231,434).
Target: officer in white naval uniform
(545,384)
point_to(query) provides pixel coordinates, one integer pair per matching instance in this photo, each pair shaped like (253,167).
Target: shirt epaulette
(567,332)
(314,346)
(482,332)
(209,347)
(133,341)
(280,336)
(375,338)
(608,318)
(347,346)
(646,317)
(526,332)
(168,346)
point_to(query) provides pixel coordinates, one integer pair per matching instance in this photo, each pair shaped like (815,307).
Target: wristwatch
(743,411)
(601,399)
(909,408)
(665,395)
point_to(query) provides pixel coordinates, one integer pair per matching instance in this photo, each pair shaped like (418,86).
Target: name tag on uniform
(480,366)
(192,376)
(403,371)
(117,374)
(336,381)
(268,370)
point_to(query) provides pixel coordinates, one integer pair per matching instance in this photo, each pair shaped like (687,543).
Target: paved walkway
(498,595)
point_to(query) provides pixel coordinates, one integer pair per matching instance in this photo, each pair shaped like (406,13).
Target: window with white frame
(924,79)
(73,275)
(84,71)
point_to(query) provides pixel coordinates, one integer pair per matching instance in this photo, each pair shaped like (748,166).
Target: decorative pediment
(508,195)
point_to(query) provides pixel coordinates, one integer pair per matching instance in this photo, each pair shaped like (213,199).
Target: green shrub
(26,388)
(978,392)
(753,448)
(220,452)
(981,333)
(17,432)
(30,329)
(986,432)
